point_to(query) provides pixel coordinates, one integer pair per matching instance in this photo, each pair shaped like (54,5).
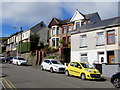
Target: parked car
(9,59)
(115,80)
(19,61)
(52,65)
(82,70)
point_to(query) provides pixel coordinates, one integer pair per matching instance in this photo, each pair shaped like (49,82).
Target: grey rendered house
(97,42)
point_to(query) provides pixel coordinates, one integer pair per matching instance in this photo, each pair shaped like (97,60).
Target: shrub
(25,47)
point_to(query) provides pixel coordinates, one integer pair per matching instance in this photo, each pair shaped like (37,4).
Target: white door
(101,58)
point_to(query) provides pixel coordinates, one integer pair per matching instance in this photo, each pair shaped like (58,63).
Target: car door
(48,65)
(44,64)
(77,69)
(71,68)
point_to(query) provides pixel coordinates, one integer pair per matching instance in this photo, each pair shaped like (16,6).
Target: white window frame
(54,31)
(83,57)
(100,39)
(69,28)
(83,41)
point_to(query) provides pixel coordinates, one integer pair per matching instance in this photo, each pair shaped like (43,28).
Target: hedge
(25,47)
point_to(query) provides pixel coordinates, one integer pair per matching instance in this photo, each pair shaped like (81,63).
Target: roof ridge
(91,13)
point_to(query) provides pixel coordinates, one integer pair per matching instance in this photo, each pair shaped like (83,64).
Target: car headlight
(87,70)
(98,72)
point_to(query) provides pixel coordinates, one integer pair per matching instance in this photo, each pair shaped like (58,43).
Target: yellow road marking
(10,85)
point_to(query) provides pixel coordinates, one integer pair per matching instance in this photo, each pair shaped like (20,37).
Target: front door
(111,59)
(101,58)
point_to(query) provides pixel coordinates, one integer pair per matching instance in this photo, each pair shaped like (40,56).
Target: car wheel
(51,70)
(17,63)
(83,77)
(116,82)
(41,68)
(67,73)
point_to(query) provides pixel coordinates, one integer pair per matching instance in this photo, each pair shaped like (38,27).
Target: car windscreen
(55,62)
(20,58)
(85,65)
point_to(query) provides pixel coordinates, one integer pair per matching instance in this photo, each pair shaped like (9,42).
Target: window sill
(83,47)
(110,43)
(100,45)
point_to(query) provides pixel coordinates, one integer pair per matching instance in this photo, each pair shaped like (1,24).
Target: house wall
(43,34)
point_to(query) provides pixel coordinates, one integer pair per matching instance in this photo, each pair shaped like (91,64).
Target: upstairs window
(58,31)
(100,38)
(111,37)
(64,29)
(77,25)
(69,28)
(82,23)
(83,41)
(53,31)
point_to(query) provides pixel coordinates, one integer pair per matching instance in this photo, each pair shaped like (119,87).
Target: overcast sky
(27,13)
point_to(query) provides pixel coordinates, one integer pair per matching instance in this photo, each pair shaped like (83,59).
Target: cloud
(105,9)
(60,0)
(31,13)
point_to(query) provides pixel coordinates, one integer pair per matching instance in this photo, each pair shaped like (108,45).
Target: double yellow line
(9,84)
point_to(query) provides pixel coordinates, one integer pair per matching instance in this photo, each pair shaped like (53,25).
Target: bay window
(64,29)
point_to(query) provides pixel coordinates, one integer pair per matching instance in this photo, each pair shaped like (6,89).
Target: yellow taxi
(82,70)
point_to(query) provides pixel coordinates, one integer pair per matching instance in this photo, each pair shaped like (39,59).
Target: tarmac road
(29,77)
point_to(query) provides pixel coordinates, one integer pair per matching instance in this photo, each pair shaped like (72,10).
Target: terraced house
(61,29)
(24,39)
(97,42)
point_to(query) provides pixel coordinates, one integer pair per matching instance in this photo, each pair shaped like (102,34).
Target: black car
(115,80)
(9,59)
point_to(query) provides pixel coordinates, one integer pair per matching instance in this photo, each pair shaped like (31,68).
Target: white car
(19,61)
(52,65)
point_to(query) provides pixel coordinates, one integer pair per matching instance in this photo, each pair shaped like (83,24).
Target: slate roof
(63,21)
(93,17)
(99,25)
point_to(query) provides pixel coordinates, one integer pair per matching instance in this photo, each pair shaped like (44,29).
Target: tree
(61,42)
(34,40)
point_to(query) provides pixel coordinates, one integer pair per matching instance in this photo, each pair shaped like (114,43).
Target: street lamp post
(18,39)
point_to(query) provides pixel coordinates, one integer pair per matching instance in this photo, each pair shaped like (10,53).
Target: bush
(25,47)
